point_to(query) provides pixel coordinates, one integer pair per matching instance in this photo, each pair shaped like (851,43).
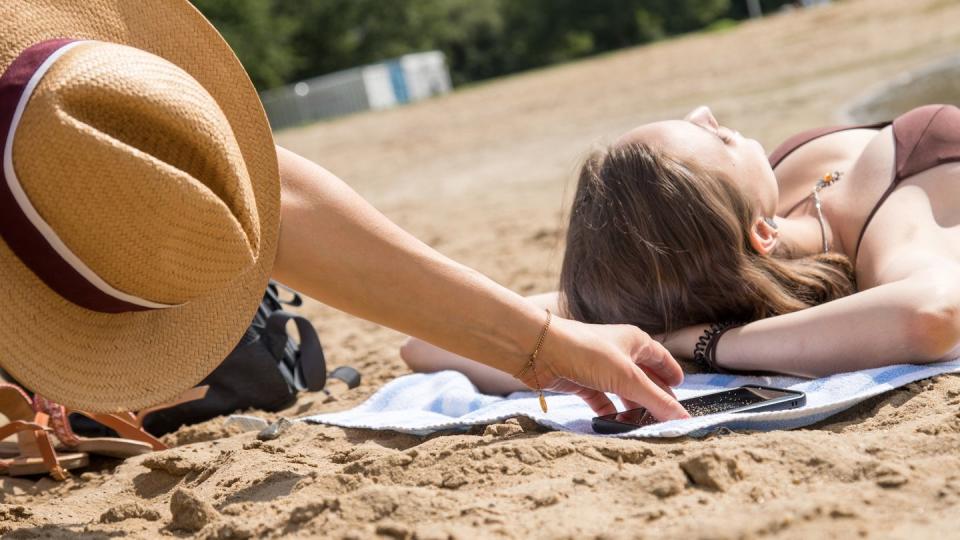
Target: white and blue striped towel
(424,403)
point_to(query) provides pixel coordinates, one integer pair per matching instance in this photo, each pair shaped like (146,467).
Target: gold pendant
(543,402)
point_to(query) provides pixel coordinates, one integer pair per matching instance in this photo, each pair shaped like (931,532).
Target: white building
(410,78)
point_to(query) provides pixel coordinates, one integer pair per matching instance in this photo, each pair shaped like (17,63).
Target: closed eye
(726,134)
(719,132)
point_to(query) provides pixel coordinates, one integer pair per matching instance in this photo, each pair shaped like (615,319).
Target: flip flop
(133,440)
(34,452)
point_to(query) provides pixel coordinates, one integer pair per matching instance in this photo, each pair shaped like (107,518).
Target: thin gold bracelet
(531,363)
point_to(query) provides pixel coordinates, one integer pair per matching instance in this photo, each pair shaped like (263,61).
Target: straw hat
(139,200)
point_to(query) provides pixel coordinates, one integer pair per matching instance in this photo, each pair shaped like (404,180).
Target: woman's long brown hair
(662,244)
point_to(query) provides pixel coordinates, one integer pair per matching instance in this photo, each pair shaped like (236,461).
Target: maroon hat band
(31,238)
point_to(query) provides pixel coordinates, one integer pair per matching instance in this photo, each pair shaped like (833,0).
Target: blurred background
(315,59)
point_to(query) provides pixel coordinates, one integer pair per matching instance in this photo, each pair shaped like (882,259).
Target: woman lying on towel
(839,252)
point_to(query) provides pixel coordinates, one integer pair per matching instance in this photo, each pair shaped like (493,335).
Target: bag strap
(274,292)
(310,369)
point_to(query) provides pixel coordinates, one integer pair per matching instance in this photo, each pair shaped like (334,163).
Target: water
(937,83)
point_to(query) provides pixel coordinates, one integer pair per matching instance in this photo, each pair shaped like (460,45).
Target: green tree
(261,37)
(680,16)
(281,41)
(738,10)
(338,34)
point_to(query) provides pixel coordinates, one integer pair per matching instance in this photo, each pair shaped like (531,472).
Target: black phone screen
(722,401)
(703,405)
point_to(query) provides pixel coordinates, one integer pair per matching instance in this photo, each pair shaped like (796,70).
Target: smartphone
(748,398)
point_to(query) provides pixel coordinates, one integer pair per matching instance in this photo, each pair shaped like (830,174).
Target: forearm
(338,249)
(906,321)
(423,357)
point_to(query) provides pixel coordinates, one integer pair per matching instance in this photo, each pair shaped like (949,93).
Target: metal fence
(412,77)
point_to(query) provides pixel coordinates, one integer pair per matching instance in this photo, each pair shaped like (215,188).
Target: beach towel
(423,403)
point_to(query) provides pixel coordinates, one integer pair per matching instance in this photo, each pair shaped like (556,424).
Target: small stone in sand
(712,471)
(190,513)
(274,430)
(130,510)
(174,463)
(15,512)
(396,531)
(502,430)
(890,476)
(665,481)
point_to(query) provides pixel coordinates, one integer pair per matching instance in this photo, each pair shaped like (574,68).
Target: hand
(588,360)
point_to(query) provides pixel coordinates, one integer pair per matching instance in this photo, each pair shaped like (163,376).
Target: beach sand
(483,176)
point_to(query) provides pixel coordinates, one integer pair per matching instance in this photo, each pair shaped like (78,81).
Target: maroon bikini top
(923,137)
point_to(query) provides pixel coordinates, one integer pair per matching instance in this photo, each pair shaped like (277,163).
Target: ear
(763,236)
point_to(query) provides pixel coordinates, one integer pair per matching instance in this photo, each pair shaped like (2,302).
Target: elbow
(933,329)
(411,352)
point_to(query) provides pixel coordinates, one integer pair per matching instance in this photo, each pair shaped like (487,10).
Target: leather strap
(17,426)
(125,426)
(31,434)
(49,455)
(311,364)
(32,439)
(194,394)
(58,420)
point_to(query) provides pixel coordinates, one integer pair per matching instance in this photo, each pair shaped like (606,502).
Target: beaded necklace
(828,180)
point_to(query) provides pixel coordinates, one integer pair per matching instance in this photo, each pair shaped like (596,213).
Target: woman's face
(701,139)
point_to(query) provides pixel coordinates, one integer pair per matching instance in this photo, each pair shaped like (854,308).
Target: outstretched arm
(914,320)
(338,249)
(423,357)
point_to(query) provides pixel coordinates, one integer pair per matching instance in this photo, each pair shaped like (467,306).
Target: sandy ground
(483,175)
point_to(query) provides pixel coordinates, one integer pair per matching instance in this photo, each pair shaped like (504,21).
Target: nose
(703,116)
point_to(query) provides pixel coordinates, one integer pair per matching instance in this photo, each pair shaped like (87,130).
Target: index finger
(638,388)
(656,380)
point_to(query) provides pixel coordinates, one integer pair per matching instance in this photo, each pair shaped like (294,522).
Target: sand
(483,176)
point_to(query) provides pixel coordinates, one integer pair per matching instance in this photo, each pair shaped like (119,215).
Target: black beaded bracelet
(705,351)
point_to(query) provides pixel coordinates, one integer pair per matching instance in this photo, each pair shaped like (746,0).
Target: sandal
(33,451)
(133,440)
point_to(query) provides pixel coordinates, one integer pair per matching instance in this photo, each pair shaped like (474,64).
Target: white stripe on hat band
(31,213)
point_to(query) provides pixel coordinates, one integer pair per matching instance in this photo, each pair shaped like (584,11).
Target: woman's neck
(801,235)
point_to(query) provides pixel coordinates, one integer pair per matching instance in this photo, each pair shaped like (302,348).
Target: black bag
(265,371)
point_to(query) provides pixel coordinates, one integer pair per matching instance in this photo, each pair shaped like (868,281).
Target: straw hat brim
(106,362)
